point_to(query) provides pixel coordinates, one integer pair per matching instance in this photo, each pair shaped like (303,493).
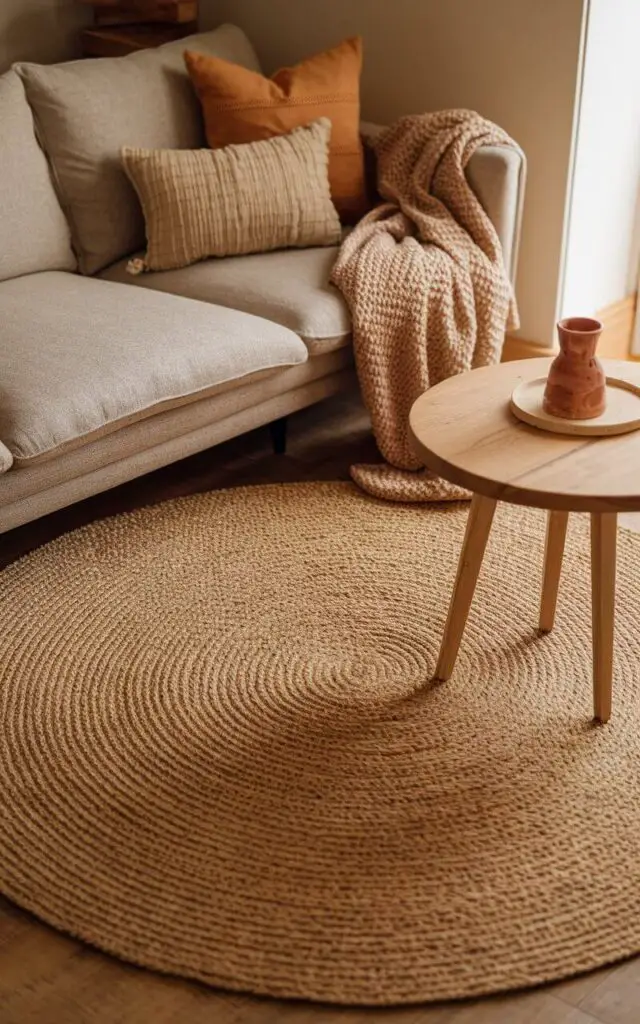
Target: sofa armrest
(497,174)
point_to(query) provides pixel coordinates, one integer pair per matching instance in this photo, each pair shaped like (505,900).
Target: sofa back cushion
(34,234)
(242,106)
(86,111)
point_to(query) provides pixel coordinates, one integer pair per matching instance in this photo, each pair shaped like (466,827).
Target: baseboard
(618,319)
(519,348)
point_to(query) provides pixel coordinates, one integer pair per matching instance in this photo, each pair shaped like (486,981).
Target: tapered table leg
(553,552)
(603,582)
(473,548)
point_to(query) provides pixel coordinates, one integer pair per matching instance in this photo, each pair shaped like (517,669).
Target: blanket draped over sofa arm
(424,277)
(6,458)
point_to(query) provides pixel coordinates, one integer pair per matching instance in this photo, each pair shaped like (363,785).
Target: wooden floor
(48,978)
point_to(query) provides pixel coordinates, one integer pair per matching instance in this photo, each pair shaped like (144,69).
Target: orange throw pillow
(242,106)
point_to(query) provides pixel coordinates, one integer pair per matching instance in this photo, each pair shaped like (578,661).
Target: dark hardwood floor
(323,441)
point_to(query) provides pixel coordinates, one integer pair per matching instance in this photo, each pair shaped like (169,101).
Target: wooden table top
(464,430)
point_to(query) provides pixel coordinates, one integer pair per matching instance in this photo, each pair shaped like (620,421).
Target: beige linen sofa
(104,376)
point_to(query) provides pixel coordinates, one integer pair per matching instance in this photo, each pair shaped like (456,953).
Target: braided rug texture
(221,756)
(425,281)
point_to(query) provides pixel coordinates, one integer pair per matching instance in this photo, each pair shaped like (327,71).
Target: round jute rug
(222,757)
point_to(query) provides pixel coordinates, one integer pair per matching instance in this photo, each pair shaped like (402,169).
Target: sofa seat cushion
(34,234)
(80,358)
(289,287)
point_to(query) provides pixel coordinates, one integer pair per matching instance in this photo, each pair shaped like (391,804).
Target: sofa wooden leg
(278,430)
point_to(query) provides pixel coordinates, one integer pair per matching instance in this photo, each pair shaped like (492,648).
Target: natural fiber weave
(221,755)
(426,285)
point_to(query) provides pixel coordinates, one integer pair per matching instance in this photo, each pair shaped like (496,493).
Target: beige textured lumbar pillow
(240,199)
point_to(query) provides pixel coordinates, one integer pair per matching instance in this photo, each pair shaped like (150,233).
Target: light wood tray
(621,416)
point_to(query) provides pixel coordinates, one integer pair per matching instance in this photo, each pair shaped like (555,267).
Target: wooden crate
(127,12)
(118,41)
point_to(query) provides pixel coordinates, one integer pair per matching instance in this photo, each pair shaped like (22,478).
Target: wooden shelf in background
(118,41)
(125,12)
(183,14)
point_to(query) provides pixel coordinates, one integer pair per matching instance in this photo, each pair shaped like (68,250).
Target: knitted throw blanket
(425,282)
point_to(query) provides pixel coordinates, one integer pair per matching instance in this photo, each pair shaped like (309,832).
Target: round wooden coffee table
(463,430)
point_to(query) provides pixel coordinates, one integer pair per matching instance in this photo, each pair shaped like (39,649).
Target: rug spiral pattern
(221,755)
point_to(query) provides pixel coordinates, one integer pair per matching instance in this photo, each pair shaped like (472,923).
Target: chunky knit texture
(6,458)
(425,281)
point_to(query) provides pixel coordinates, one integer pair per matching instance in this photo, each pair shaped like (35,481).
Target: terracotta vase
(576,385)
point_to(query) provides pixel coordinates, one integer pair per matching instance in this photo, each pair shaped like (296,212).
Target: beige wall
(516,61)
(39,30)
(603,238)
